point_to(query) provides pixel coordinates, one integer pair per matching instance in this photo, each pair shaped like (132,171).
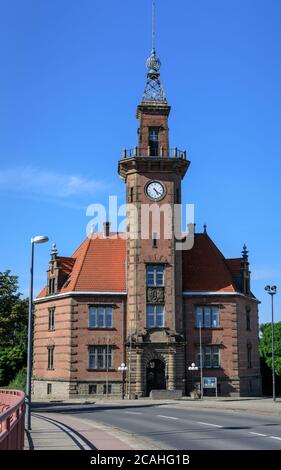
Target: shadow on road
(74,408)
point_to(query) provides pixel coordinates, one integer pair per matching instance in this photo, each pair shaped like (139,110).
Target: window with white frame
(155,316)
(100,357)
(207,316)
(100,316)
(155,275)
(210,357)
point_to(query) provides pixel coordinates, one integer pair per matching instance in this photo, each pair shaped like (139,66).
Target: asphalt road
(186,429)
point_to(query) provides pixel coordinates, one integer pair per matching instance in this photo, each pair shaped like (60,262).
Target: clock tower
(153,173)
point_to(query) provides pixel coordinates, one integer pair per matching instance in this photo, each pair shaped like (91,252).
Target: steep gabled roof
(205,269)
(97,265)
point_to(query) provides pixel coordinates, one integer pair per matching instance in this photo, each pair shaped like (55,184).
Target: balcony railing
(146,152)
(12,410)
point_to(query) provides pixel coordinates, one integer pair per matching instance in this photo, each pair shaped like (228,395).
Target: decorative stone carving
(155,295)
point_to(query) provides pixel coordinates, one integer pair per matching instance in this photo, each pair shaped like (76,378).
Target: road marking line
(133,412)
(258,434)
(167,417)
(209,424)
(275,437)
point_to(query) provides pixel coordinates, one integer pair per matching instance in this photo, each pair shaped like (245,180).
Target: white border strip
(68,294)
(185,294)
(192,294)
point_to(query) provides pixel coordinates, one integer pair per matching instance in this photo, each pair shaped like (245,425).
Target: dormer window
(154,141)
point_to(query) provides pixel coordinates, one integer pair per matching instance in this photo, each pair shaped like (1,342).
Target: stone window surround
(204,346)
(155,265)
(50,363)
(111,348)
(211,306)
(51,318)
(104,305)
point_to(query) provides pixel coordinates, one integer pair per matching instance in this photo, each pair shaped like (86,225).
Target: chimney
(106,229)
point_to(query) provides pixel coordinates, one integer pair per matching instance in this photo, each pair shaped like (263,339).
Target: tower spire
(154,91)
(153,25)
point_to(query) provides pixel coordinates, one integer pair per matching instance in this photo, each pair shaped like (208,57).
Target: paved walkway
(260,406)
(54,431)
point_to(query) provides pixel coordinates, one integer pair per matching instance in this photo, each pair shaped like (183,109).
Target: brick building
(141,301)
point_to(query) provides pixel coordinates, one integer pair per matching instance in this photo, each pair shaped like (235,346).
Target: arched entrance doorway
(155,376)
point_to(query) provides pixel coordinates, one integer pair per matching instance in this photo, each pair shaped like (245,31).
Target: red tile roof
(205,269)
(99,265)
(234,265)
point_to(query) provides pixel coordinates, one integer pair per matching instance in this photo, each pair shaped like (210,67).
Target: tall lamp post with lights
(123,369)
(192,368)
(35,240)
(271,290)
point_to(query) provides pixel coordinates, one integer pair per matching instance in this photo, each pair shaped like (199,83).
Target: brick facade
(108,273)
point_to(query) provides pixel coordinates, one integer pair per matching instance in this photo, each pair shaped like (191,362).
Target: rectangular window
(207,316)
(50,357)
(100,357)
(49,389)
(100,317)
(92,389)
(249,355)
(154,141)
(210,357)
(155,316)
(107,389)
(155,275)
(51,322)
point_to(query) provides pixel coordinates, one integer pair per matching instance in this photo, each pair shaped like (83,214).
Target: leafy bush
(266,345)
(19,382)
(11,360)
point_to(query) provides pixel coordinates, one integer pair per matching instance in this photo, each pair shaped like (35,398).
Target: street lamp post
(191,368)
(201,360)
(123,369)
(37,240)
(272,291)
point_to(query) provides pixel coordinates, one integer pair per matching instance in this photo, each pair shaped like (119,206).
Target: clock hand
(157,192)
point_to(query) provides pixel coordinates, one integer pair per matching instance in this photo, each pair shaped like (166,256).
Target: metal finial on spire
(153,90)
(54,250)
(153,25)
(245,252)
(153,64)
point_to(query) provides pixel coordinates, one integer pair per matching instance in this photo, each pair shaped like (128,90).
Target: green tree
(13,327)
(266,345)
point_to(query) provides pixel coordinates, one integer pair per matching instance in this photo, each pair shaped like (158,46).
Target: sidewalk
(260,406)
(55,431)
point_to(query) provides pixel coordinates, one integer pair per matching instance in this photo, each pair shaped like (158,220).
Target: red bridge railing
(11,420)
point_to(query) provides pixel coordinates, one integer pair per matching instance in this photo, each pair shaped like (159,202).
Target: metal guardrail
(146,152)
(12,410)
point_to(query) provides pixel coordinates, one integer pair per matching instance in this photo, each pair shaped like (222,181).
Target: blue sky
(72,74)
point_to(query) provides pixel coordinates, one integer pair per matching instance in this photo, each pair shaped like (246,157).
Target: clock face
(155,190)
